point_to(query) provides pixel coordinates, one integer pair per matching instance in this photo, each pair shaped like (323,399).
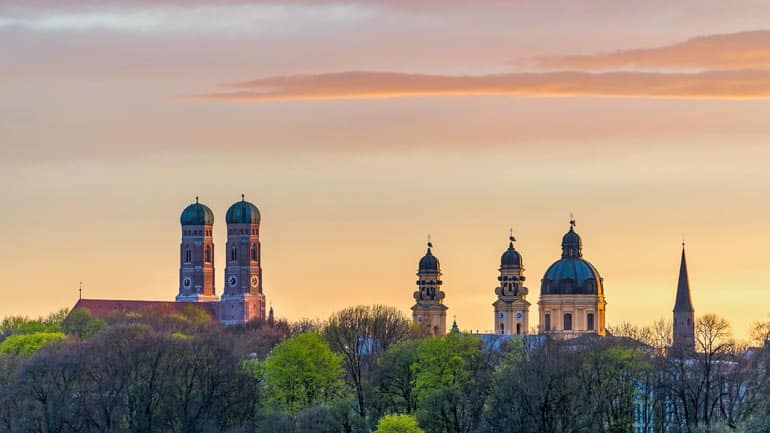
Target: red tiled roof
(103,308)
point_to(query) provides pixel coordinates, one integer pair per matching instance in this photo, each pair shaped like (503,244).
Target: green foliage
(303,371)
(393,380)
(441,362)
(452,377)
(398,424)
(195,316)
(82,324)
(13,325)
(28,344)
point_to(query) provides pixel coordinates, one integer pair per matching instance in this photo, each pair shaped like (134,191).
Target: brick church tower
(196,263)
(242,299)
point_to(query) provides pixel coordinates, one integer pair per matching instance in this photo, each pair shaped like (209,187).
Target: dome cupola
(511,258)
(572,275)
(196,214)
(429,262)
(571,243)
(242,212)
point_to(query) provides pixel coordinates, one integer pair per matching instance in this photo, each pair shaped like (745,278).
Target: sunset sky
(358,128)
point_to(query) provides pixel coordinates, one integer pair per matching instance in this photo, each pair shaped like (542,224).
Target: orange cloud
(744,84)
(744,50)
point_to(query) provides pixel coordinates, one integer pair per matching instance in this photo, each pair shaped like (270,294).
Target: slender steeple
(684,313)
(683,298)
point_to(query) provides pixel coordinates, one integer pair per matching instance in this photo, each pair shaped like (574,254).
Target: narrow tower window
(590,320)
(208,254)
(568,322)
(233,253)
(187,256)
(547,322)
(518,329)
(254,253)
(502,329)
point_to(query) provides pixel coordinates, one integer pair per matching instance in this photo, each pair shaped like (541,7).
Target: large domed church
(571,304)
(571,293)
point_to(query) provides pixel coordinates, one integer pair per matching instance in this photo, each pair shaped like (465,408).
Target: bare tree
(361,334)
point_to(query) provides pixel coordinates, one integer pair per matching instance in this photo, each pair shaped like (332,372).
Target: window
(187,255)
(208,254)
(254,253)
(568,322)
(518,329)
(547,322)
(502,329)
(590,320)
(233,254)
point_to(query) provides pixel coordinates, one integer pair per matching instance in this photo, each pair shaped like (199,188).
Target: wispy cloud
(753,84)
(744,50)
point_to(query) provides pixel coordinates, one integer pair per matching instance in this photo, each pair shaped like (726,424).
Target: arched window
(518,329)
(187,255)
(254,253)
(502,329)
(233,254)
(547,322)
(568,322)
(590,321)
(435,330)
(207,254)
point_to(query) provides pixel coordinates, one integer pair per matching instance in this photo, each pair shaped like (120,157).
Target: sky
(358,128)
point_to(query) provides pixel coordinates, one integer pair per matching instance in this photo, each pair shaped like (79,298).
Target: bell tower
(511,307)
(242,299)
(684,313)
(196,255)
(429,311)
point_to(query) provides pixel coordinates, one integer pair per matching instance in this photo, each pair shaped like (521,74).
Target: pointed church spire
(683,298)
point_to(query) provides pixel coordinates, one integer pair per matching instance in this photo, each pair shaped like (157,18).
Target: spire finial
(430,244)
(682,240)
(196,199)
(510,236)
(80,291)
(572,220)
(243,197)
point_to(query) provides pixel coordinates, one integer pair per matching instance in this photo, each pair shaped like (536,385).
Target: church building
(242,300)
(571,293)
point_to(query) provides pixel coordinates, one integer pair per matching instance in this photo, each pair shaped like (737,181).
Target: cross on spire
(80,291)
(430,244)
(572,219)
(510,235)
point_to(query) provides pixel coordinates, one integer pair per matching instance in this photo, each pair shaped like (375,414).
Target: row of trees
(365,369)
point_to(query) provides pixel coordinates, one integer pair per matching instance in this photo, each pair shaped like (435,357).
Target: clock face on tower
(254,281)
(187,282)
(232,281)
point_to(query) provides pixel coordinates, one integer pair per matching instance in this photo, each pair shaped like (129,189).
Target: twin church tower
(571,301)
(571,294)
(242,299)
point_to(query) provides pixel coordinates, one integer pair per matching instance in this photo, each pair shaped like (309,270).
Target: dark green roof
(197,214)
(243,212)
